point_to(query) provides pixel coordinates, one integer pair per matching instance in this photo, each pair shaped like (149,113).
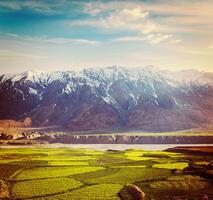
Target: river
(104,147)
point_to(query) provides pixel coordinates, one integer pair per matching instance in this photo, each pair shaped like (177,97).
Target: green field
(43,187)
(79,174)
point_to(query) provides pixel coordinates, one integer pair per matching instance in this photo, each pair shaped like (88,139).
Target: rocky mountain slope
(113,98)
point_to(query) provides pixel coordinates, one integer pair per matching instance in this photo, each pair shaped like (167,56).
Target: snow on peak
(96,76)
(32,75)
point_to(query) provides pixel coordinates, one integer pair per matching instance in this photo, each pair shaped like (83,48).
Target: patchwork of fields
(80,174)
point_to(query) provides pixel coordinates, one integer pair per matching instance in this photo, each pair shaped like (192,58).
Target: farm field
(83,174)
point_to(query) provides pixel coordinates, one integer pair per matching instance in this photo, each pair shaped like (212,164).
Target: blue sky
(67,34)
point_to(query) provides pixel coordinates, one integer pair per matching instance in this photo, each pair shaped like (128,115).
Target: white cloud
(176,41)
(167,8)
(157,38)
(153,38)
(5,53)
(69,40)
(36,6)
(135,19)
(128,16)
(10,5)
(96,8)
(171,17)
(58,40)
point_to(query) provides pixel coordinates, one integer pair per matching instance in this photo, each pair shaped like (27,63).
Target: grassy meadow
(80,174)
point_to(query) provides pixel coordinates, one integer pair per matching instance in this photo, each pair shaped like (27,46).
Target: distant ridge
(112,98)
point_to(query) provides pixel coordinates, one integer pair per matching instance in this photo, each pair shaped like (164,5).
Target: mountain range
(109,99)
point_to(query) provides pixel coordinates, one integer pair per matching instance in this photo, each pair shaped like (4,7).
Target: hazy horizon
(69,35)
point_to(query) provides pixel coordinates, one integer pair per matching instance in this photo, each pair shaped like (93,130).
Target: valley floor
(87,174)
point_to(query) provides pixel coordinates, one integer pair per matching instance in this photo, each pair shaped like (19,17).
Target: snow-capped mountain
(144,98)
